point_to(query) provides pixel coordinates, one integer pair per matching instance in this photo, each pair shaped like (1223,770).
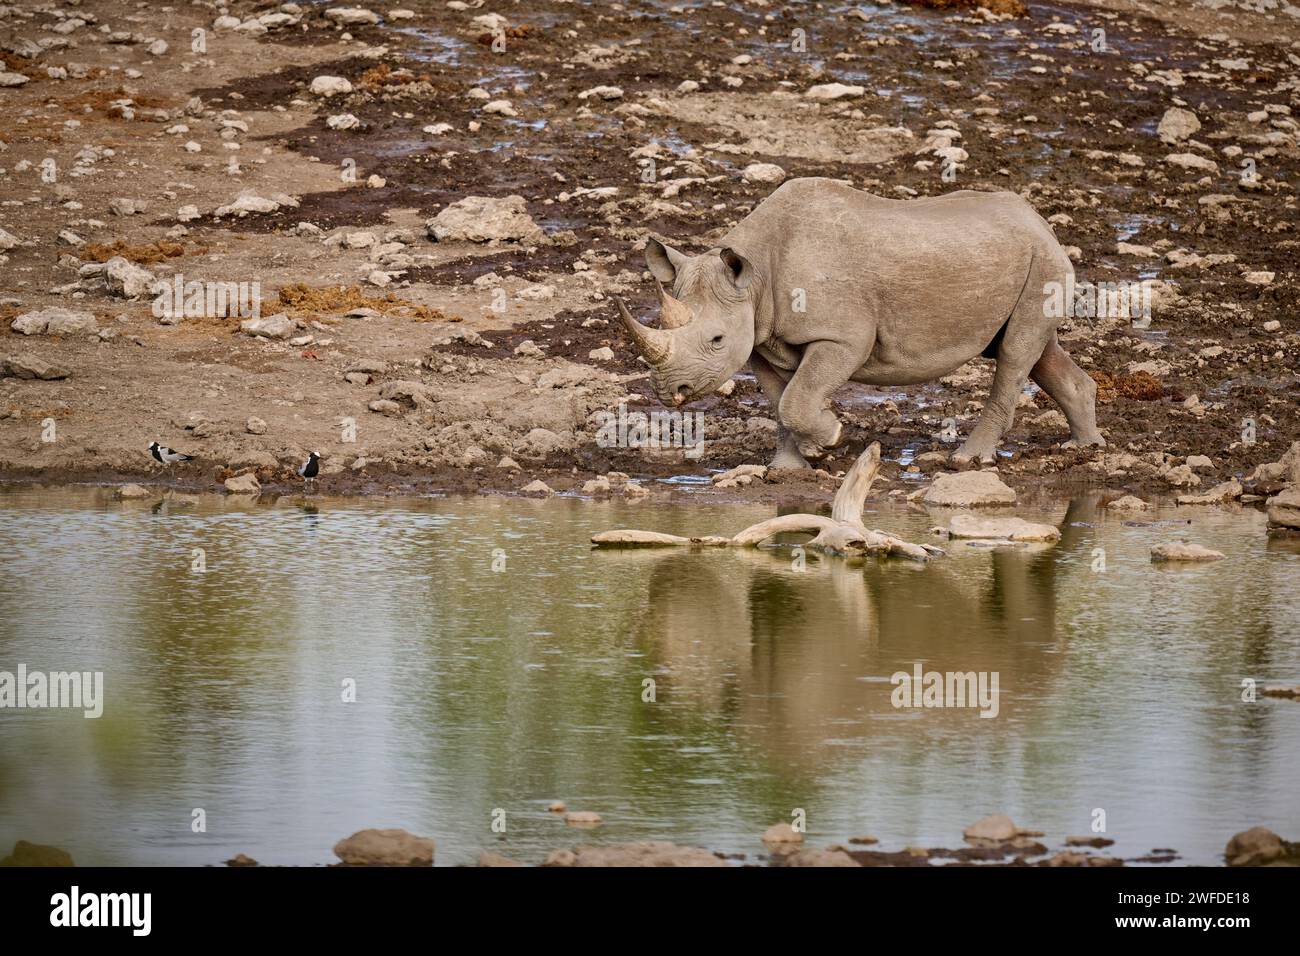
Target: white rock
(53,321)
(278,326)
(343,121)
(485,219)
(1177,124)
(330,86)
(351,16)
(1192,161)
(833,91)
(125,279)
(13,79)
(762,173)
(602,92)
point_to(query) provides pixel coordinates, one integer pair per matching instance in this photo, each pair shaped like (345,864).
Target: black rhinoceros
(824,284)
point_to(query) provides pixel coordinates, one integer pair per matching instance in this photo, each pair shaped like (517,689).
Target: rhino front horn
(655,344)
(674,313)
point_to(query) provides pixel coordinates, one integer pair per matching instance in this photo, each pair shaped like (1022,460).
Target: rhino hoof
(1097,442)
(787,458)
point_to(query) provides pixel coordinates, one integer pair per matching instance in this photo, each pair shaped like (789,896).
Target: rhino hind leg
(1018,346)
(1071,388)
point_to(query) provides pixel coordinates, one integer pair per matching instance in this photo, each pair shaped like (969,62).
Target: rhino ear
(742,273)
(663,260)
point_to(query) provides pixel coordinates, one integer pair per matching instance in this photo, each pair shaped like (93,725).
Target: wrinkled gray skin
(897,292)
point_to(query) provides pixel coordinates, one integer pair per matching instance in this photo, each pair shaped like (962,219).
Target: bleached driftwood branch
(843,533)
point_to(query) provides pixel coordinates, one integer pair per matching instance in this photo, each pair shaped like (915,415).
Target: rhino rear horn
(674,313)
(655,344)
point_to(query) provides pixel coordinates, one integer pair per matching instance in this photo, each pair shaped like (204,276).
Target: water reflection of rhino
(807,655)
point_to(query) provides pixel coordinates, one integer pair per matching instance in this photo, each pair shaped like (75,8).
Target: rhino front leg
(825,366)
(773,382)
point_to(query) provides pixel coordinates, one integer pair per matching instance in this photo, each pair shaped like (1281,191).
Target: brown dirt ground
(1054,115)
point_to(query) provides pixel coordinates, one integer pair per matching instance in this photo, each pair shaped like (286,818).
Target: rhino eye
(717,341)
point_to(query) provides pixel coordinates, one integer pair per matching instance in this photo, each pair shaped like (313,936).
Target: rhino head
(706,331)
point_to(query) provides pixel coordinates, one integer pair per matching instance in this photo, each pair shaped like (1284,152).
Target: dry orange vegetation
(301,298)
(148,254)
(1140,386)
(1014,7)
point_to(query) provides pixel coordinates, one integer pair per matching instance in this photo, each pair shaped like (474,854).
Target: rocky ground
(424,331)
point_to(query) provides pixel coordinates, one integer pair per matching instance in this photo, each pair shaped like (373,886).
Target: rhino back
(937,275)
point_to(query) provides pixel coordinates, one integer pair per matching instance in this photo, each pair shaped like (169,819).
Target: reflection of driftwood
(842,533)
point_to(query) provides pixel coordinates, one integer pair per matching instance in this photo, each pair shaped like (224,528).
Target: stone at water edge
(1224,491)
(243,484)
(1128,503)
(393,847)
(131,491)
(971,526)
(782,833)
(488,858)
(1254,847)
(537,487)
(968,489)
(241,859)
(998,828)
(1183,551)
(583,818)
(34,854)
(651,853)
(1284,509)
(819,858)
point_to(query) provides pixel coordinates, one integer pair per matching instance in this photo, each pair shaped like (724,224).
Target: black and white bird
(311,467)
(165,456)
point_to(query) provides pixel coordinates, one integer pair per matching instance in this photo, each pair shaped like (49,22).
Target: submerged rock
(634,854)
(1128,503)
(1009,529)
(392,847)
(1183,551)
(819,858)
